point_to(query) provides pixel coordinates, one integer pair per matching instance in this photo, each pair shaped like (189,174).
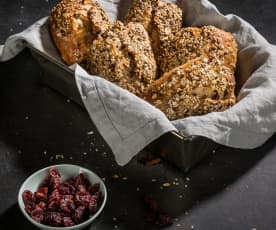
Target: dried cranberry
(43,190)
(55,178)
(53,172)
(42,205)
(71,186)
(29,208)
(82,188)
(63,189)
(163,220)
(79,180)
(54,196)
(53,206)
(67,221)
(154,215)
(37,214)
(67,204)
(94,188)
(28,198)
(40,196)
(80,214)
(82,199)
(93,205)
(53,218)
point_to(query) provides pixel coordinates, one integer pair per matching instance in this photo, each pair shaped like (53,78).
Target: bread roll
(161,20)
(123,55)
(192,42)
(200,86)
(74,24)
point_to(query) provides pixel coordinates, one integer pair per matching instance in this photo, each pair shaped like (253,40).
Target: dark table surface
(230,190)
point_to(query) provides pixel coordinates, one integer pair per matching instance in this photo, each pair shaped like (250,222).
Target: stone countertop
(229,190)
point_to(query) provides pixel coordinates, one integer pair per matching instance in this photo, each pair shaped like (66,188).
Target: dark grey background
(229,190)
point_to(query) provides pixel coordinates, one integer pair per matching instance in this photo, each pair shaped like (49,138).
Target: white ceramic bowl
(66,171)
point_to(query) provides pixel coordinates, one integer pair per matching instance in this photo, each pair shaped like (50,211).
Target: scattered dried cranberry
(62,204)
(80,214)
(163,220)
(154,215)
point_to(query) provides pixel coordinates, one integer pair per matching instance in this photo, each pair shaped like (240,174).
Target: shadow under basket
(184,152)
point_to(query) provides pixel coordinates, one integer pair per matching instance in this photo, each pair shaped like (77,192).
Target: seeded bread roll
(161,20)
(192,42)
(123,55)
(200,86)
(74,24)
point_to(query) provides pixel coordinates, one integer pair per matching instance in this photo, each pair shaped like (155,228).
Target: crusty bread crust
(192,42)
(124,56)
(200,86)
(161,20)
(74,24)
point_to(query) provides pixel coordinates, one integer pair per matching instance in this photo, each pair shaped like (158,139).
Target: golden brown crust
(198,87)
(197,64)
(73,25)
(192,42)
(161,20)
(124,56)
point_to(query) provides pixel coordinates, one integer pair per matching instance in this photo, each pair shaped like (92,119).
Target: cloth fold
(114,111)
(128,124)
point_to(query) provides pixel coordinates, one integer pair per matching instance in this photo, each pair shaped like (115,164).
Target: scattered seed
(153,180)
(166,185)
(188,179)
(85,153)
(186,186)
(137,189)
(124,178)
(96,150)
(115,176)
(114,219)
(178,225)
(180,196)
(90,133)
(70,158)
(192,226)
(59,156)
(20,23)
(26,118)
(11,29)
